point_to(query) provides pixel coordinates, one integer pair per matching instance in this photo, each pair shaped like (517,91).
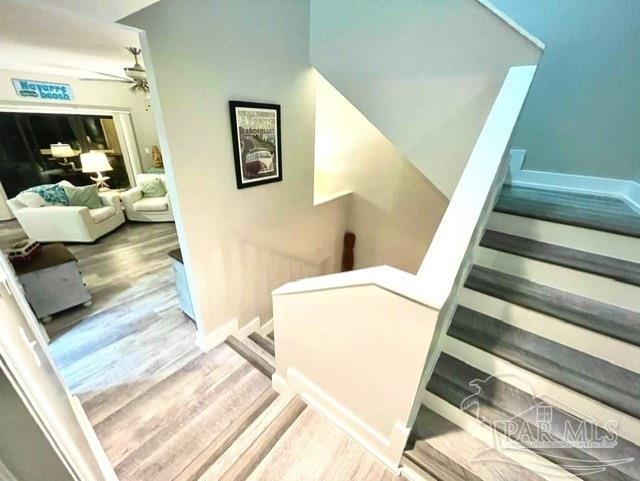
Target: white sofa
(58,223)
(147,209)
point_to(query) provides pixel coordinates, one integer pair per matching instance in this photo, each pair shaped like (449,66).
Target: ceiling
(108,11)
(60,41)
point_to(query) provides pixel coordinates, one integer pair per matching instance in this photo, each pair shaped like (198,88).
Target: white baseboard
(387,449)
(627,190)
(217,337)
(5,474)
(266,328)
(413,472)
(249,328)
(103,461)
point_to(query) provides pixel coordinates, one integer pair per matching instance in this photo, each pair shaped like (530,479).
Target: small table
(181,283)
(52,281)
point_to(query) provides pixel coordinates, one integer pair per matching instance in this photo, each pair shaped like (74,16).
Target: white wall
(239,244)
(91,94)
(424,72)
(583,112)
(394,210)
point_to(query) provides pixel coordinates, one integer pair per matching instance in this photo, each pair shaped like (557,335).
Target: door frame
(74,460)
(124,129)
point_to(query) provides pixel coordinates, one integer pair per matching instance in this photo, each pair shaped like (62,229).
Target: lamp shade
(94,162)
(62,150)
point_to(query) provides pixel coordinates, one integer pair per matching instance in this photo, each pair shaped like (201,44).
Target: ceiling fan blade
(120,77)
(107,80)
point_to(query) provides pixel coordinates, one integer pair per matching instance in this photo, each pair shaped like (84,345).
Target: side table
(52,281)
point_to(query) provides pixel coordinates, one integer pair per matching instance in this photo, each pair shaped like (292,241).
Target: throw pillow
(153,188)
(31,199)
(51,194)
(86,196)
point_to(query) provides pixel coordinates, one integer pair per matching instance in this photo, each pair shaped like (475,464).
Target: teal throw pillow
(153,188)
(51,193)
(83,196)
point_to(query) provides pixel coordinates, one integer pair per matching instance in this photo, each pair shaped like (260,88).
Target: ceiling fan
(136,75)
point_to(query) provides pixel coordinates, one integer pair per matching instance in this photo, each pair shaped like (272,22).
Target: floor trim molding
(386,449)
(5,474)
(206,342)
(101,456)
(627,190)
(266,328)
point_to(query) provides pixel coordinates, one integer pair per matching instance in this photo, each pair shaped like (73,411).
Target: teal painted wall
(583,112)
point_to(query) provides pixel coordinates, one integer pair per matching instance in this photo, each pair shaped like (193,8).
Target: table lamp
(96,162)
(62,151)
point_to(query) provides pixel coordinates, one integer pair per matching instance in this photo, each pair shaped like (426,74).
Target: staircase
(543,351)
(237,453)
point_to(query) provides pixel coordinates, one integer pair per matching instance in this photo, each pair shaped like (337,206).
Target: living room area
(85,213)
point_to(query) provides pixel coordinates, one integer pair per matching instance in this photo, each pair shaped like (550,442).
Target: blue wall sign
(43,90)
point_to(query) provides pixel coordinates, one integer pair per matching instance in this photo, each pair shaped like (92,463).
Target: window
(25,154)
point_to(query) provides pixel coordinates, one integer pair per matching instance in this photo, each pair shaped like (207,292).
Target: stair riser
(591,286)
(602,243)
(592,377)
(628,426)
(593,343)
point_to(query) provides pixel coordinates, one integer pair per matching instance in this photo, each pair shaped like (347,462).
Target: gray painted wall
(24,449)
(583,112)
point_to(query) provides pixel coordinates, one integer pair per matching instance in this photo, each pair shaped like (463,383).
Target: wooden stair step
(252,356)
(598,212)
(618,269)
(447,452)
(256,452)
(610,384)
(604,318)
(515,413)
(221,444)
(264,342)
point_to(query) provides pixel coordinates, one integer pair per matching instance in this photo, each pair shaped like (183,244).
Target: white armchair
(58,223)
(147,209)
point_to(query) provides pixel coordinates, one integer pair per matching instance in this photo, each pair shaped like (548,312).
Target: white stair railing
(355,344)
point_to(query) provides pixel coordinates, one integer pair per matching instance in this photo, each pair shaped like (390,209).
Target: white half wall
(424,72)
(393,209)
(240,244)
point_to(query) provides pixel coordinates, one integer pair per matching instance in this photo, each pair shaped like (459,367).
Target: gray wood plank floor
(585,210)
(162,408)
(313,449)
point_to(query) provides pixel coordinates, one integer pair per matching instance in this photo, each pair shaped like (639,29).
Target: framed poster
(257,148)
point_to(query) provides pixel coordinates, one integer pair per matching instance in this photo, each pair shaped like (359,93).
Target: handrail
(386,277)
(453,239)
(365,375)
(437,274)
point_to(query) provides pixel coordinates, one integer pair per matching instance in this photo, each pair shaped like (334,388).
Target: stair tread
(596,378)
(599,212)
(516,413)
(261,446)
(607,319)
(618,269)
(252,356)
(449,453)
(221,444)
(264,342)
